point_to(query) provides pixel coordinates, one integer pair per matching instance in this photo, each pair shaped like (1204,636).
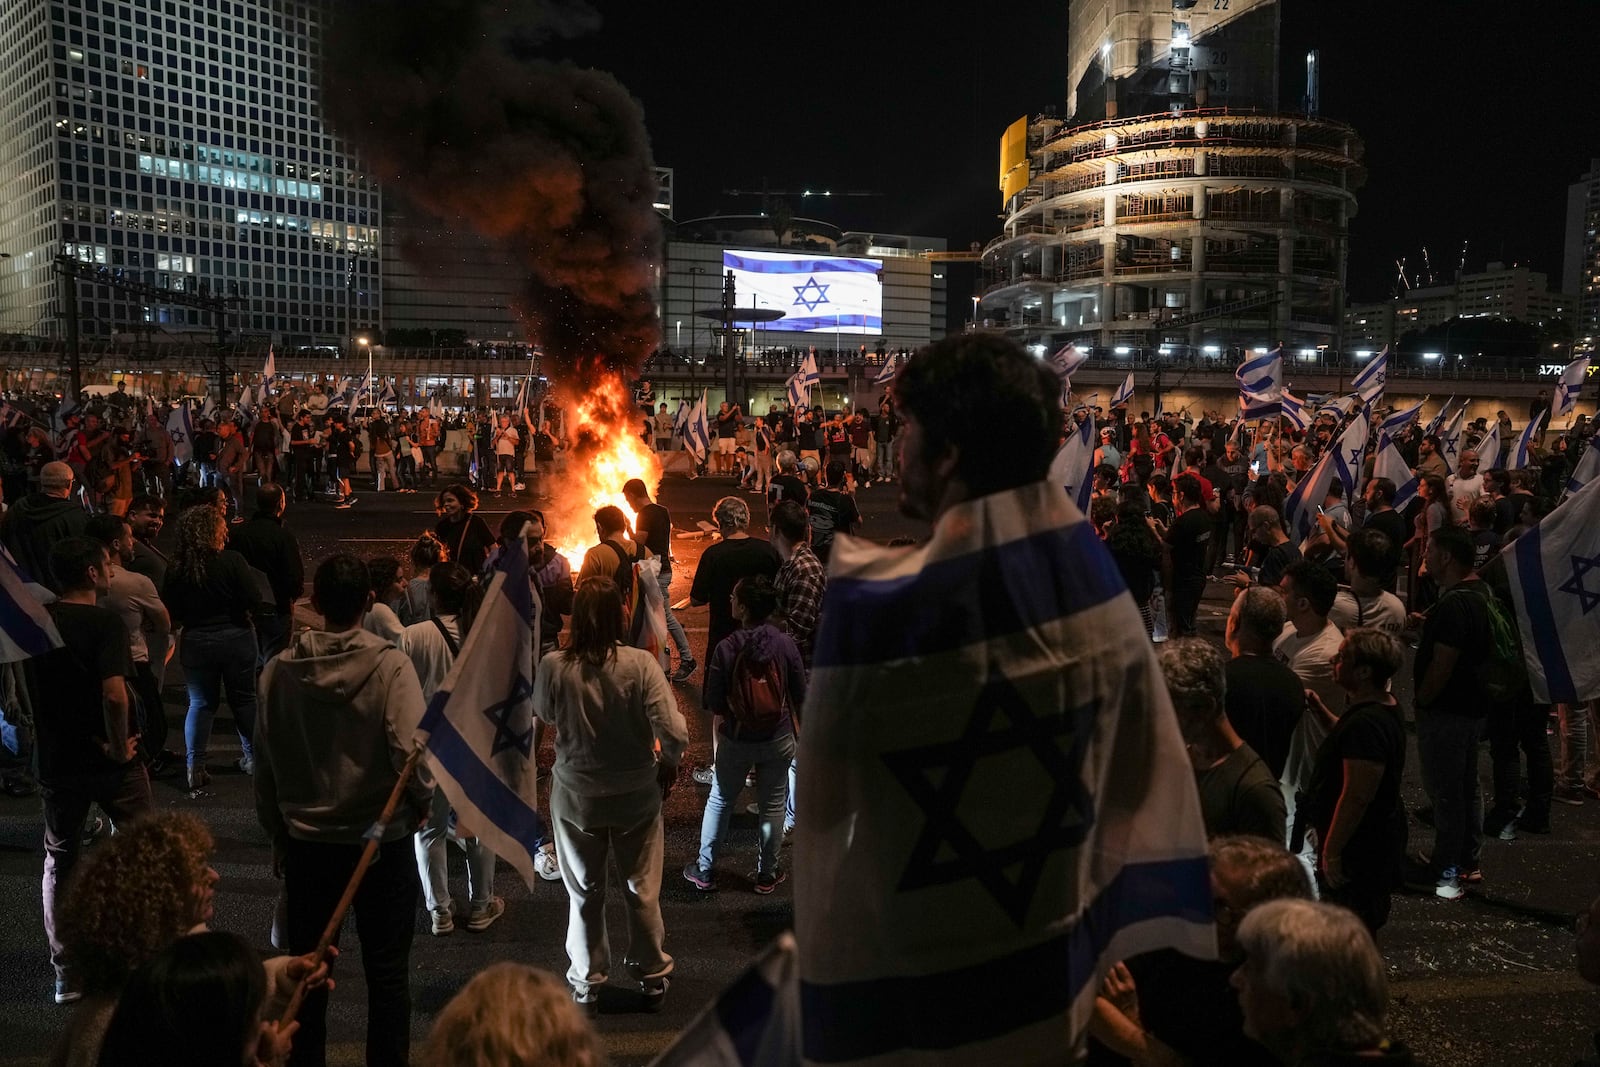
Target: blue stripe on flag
(800,266)
(819,323)
(744,1011)
(22,627)
(979,596)
(857,1020)
(498,801)
(1541,619)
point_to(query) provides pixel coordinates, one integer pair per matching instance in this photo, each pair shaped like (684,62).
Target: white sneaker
(547,866)
(443,923)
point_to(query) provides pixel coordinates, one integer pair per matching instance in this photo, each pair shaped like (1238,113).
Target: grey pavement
(1486,980)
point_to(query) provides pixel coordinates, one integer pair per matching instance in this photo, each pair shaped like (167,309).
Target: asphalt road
(1486,980)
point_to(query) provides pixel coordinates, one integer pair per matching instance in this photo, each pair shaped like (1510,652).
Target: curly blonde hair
(198,529)
(513,1015)
(133,895)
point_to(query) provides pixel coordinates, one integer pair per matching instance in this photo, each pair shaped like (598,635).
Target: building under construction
(1180,208)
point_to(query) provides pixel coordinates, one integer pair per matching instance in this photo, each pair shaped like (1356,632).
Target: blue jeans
(1447,749)
(733,759)
(219,660)
(674,627)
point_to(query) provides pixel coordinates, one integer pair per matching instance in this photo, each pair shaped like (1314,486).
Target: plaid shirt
(800,583)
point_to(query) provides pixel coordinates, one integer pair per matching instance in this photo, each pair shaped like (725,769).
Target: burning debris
(452,104)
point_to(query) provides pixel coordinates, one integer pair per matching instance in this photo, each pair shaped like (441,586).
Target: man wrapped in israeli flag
(997,805)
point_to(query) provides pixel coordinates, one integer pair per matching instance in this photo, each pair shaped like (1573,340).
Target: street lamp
(975,312)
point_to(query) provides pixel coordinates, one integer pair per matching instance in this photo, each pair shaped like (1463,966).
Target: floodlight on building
(1212,350)
(1363,353)
(1258,351)
(1122,350)
(1165,350)
(1430,355)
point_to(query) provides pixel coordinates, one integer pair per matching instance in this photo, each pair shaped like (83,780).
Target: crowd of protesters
(1296,741)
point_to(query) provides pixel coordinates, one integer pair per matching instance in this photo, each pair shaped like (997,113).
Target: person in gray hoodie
(334,729)
(41,519)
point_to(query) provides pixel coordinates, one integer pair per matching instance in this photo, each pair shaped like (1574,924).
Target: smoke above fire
(456,105)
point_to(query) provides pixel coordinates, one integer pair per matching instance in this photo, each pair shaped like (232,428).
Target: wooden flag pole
(374,836)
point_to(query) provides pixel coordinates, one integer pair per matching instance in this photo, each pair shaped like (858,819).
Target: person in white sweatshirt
(619,738)
(337,713)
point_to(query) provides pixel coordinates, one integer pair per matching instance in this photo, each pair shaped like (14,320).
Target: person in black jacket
(40,520)
(268,546)
(212,596)
(464,534)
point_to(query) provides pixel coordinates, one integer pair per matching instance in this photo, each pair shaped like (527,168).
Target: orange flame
(604,427)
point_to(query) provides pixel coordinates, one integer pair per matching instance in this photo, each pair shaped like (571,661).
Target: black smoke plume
(457,106)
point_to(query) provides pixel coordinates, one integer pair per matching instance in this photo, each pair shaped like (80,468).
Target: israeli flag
(754,1021)
(799,395)
(478,728)
(1399,419)
(247,406)
(1391,464)
(1260,381)
(1294,410)
(890,367)
(1342,461)
(26,628)
(388,394)
(1124,393)
(1073,466)
(698,438)
(208,410)
(1488,449)
(994,787)
(180,429)
(1587,470)
(1568,387)
(1373,377)
(1067,360)
(1342,407)
(1554,570)
(680,421)
(1520,456)
(1439,419)
(1450,440)
(1088,403)
(809,375)
(269,371)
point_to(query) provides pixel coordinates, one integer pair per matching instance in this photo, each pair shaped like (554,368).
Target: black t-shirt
(789,487)
(654,528)
(838,440)
(65,687)
(832,512)
(1391,524)
(1485,543)
(727,425)
(1188,1006)
(1189,535)
(1265,701)
(1372,732)
(1460,620)
(721,567)
(1276,561)
(544,447)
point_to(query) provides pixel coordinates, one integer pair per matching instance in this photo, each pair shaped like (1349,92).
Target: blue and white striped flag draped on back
(26,628)
(1520,455)
(1391,464)
(1294,409)
(1555,585)
(1570,384)
(1073,467)
(1373,377)
(1450,440)
(1124,393)
(1399,419)
(1488,449)
(180,429)
(1588,470)
(754,1022)
(998,804)
(1067,360)
(809,374)
(1261,385)
(478,728)
(890,367)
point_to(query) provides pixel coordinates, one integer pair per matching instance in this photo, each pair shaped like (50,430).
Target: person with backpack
(613,557)
(755,686)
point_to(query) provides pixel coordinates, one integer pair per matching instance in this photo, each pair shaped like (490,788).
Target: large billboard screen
(815,294)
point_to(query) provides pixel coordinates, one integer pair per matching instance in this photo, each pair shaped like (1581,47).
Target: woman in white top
(433,645)
(619,737)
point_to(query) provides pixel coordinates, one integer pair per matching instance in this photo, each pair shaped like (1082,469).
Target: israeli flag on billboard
(478,728)
(995,787)
(1568,387)
(815,294)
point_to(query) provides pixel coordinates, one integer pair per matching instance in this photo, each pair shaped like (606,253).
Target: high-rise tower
(1181,207)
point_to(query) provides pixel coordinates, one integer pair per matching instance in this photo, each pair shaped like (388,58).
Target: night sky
(1477,115)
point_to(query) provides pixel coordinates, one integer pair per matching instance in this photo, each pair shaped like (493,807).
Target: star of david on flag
(1372,378)
(181,432)
(478,728)
(964,773)
(1568,386)
(1554,571)
(811,295)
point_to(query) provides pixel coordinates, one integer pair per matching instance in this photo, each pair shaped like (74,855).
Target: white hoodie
(334,725)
